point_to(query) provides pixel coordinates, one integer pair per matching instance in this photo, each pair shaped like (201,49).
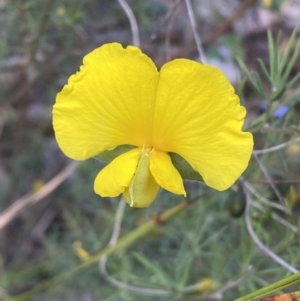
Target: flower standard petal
(114,178)
(109,102)
(164,172)
(200,118)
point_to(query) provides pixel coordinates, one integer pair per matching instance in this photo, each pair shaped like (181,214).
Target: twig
(289,181)
(265,200)
(16,208)
(171,16)
(118,221)
(269,178)
(223,27)
(165,19)
(133,23)
(3,294)
(6,112)
(275,148)
(276,217)
(241,10)
(229,285)
(195,33)
(42,224)
(257,241)
(271,204)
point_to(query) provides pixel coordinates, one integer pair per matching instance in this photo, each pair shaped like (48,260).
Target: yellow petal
(164,172)
(109,102)
(198,116)
(143,188)
(114,178)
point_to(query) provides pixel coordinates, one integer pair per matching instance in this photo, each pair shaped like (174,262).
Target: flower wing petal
(200,118)
(114,178)
(164,172)
(109,102)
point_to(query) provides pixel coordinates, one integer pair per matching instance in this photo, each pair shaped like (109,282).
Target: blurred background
(49,213)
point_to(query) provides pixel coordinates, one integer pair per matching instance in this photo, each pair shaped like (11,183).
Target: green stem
(123,242)
(288,281)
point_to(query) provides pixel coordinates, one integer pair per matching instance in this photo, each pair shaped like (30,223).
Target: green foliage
(280,67)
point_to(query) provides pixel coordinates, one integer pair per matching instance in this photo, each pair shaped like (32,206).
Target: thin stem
(269,178)
(275,148)
(271,204)
(265,200)
(195,32)
(257,241)
(229,285)
(132,21)
(171,18)
(276,217)
(118,221)
(16,208)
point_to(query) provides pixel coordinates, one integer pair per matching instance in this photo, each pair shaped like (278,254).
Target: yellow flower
(119,98)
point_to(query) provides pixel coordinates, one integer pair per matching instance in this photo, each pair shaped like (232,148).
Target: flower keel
(143,188)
